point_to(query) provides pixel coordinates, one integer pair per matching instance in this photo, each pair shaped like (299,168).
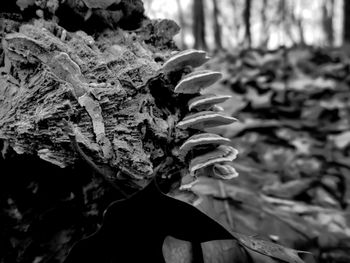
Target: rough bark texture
(107,83)
(99,86)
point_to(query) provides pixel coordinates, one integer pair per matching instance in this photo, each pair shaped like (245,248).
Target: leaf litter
(294,149)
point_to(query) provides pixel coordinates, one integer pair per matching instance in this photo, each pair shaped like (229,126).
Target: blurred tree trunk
(246,19)
(237,21)
(182,24)
(199,25)
(265,36)
(346,25)
(217,26)
(327,20)
(287,18)
(298,22)
(301,32)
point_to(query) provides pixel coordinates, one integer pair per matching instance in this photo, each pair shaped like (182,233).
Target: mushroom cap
(222,153)
(205,119)
(201,139)
(101,4)
(206,101)
(196,81)
(224,171)
(189,57)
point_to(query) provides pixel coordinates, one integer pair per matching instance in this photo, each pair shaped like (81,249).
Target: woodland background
(264,24)
(286,64)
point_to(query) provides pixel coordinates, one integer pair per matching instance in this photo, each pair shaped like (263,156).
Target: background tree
(199,25)
(237,24)
(346,25)
(298,22)
(264,38)
(327,20)
(217,26)
(246,18)
(182,24)
(286,9)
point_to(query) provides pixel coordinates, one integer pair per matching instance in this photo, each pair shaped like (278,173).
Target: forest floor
(293,138)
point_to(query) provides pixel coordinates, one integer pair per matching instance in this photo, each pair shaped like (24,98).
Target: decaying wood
(107,84)
(102,88)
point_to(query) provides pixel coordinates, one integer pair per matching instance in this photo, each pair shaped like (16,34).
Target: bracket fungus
(196,81)
(222,153)
(205,119)
(207,114)
(206,101)
(199,140)
(190,57)
(224,171)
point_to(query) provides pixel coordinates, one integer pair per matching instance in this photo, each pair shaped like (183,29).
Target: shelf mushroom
(207,114)
(200,140)
(222,153)
(206,101)
(196,81)
(190,57)
(205,119)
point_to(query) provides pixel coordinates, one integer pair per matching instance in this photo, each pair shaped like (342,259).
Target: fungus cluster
(207,153)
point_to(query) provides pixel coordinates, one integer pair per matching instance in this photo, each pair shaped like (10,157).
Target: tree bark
(246,19)
(327,20)
(217,26)
(199,25)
